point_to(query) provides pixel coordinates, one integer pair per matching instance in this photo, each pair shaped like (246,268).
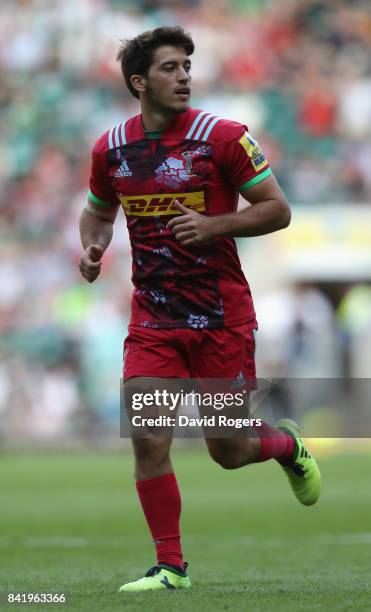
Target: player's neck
(155,120)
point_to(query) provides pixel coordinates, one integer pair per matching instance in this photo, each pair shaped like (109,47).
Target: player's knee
(151,452)
(226,458)
(232,456)
(228,462)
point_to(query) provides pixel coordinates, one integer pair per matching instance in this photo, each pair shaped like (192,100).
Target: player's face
(168,83)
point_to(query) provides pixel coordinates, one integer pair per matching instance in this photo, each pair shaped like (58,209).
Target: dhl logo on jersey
(161,203)
(254,151)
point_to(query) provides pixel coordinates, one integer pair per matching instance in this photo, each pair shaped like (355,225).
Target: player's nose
(183,75)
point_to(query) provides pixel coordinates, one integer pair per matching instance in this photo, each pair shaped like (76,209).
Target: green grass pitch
(71,523)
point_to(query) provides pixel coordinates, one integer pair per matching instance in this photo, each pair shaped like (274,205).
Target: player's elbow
(283,214)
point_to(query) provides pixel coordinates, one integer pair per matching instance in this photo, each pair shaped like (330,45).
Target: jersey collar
(175,131)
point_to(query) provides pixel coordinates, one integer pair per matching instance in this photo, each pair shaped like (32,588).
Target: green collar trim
(153,135)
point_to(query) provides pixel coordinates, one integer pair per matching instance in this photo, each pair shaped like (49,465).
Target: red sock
(274,444)
(161,503)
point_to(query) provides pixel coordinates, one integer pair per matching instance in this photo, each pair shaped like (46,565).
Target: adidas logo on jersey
(123,170)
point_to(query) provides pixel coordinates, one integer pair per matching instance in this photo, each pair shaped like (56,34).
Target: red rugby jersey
(202,161)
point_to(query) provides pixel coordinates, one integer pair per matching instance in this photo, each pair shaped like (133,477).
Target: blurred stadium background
(298,73)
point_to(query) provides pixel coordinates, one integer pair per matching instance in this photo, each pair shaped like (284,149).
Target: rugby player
(178,172)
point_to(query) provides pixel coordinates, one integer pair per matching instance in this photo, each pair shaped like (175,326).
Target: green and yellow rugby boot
(303,473)
(159,577)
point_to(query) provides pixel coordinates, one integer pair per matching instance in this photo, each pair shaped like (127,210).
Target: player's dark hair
(136,55)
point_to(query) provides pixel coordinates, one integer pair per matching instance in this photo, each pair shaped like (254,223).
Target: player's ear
(139,82)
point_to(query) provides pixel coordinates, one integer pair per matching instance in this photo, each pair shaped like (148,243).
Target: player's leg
(283,444)
(229,354)
(261,443)
(152,353)
(232,357)
(151,457)
(160,498)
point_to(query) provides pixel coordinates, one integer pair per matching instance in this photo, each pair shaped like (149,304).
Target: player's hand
(191,227)
(90,262)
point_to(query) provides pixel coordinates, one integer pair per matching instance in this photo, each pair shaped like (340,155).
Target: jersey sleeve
(243,162)
(101,194)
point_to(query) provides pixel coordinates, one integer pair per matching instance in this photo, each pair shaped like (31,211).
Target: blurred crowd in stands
(298,73)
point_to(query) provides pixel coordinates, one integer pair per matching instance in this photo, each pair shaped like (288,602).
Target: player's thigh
(228,353)
(229,443)
(154,353)
(152,396)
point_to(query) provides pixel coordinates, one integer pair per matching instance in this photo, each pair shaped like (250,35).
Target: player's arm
(99,214)
(269,212)
(247,169)
(96,230)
